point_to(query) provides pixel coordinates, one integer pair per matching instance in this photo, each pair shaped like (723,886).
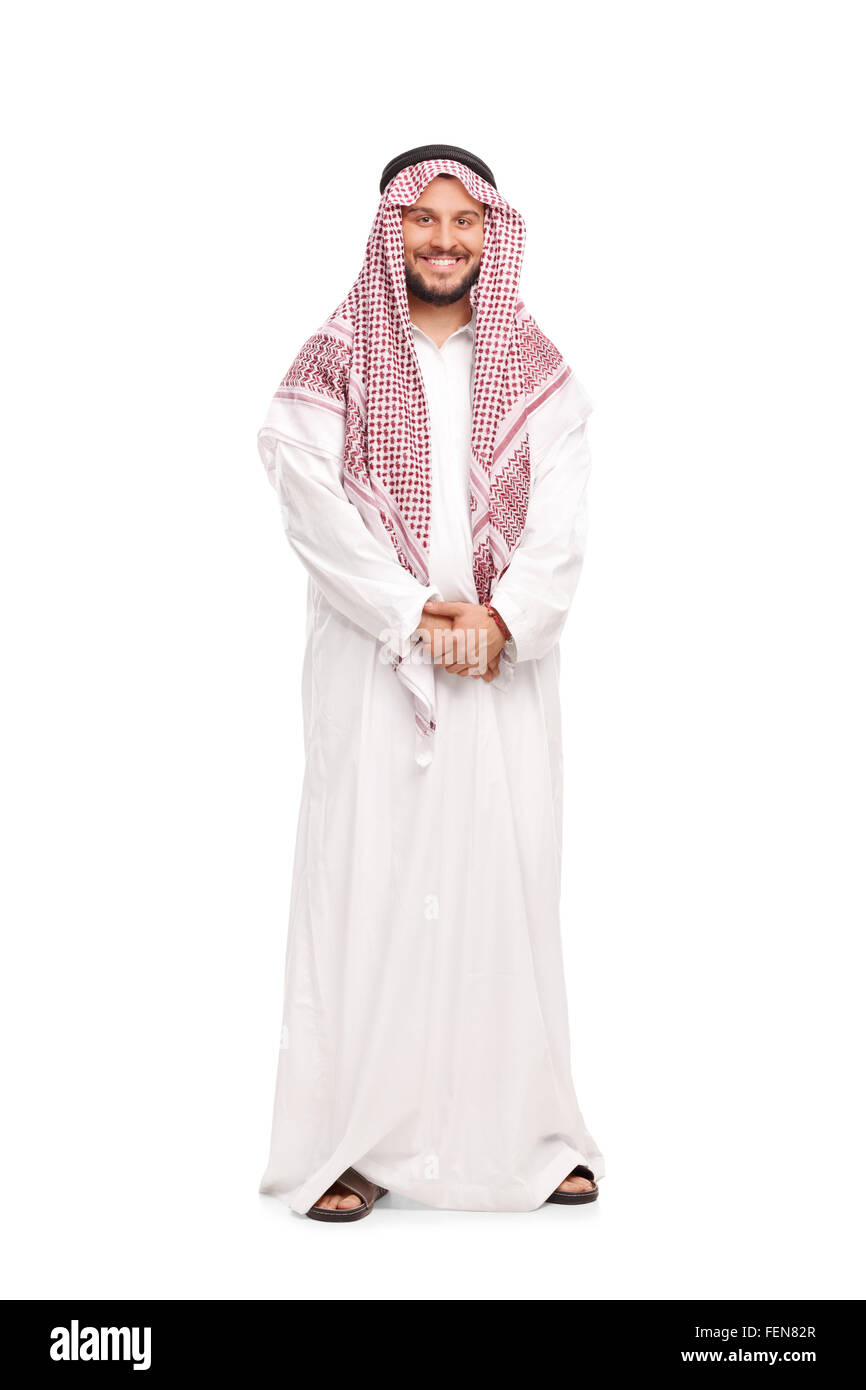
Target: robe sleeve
(360,575)
(534,594)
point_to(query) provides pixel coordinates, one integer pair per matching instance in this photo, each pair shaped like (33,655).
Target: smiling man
(428,446)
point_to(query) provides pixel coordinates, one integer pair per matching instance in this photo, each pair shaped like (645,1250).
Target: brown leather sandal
(351,1184)
(574,1199)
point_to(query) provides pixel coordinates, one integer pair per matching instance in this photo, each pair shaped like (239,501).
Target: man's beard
(422,290)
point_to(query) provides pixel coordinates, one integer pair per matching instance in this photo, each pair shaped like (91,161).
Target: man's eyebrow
(468,212)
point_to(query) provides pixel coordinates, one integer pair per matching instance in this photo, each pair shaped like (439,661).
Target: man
(428,446)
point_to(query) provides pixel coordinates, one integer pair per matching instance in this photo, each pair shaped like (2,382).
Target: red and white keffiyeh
(356,388)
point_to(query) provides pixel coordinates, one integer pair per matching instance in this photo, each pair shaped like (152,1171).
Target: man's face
(445,225)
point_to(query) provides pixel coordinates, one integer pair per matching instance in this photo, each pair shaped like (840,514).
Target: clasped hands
(462,638)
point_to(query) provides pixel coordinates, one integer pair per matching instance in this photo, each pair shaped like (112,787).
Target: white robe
(425,1033)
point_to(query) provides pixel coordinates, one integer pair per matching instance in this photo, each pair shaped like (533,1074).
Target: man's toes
(336,1201)
(575,1185)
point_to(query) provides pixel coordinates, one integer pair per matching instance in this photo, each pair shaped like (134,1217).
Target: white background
(190,191)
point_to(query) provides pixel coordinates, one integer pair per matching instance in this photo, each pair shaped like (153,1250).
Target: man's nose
(442,241)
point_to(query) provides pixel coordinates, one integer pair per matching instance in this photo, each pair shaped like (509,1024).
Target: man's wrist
(499,621)
(512,615)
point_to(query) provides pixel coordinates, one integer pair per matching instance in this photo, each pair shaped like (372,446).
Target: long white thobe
(425,1034)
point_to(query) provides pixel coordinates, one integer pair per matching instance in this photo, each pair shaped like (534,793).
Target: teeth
(441,260)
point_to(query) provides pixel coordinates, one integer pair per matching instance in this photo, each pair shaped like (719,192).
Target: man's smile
(442,262)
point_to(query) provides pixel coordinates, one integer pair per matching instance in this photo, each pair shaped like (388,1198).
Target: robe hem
(520,1196)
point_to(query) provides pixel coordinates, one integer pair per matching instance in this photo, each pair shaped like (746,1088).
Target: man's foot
(575,1185)
(350,1198)
(339,1201)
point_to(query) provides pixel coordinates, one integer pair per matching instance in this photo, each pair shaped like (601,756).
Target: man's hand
(428,627)
(473,645)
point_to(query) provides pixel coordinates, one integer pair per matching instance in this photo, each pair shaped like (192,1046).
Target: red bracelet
(499,622)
